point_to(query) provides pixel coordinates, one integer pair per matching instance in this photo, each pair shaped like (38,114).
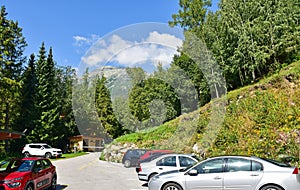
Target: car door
(242,174)
(166,164)
(207,175)
(47,172)
(38,174)
(34,149)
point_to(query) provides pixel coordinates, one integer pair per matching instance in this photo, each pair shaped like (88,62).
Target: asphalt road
(88,173)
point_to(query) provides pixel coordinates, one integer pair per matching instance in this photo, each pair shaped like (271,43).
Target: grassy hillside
(262,119)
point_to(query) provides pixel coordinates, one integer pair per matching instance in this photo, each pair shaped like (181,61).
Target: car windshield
(187,168)
(16,165)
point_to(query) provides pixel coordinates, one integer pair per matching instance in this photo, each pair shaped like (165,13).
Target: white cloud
(165,39)
(84,41)
(156,47)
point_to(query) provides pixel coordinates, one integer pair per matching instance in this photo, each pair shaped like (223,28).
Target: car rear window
(277,163)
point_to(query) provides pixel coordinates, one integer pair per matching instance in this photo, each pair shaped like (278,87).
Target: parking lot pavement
(88,172)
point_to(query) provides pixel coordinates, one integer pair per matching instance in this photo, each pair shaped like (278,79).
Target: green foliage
(151,137)
(191,15)
(83,99)
(12,44)
(248,39)
(47,129)
(150,98)
(105,109)
(262,119)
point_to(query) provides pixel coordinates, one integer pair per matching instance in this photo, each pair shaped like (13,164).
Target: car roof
(230,156)
(173,154)
(37,143)
(255,158)
(158,150)
(29,158)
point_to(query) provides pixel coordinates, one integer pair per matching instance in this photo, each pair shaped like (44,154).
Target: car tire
(172,186)
(29,187)
(53,182)
(26,154)
(127,163)
(48,155)
(271,187)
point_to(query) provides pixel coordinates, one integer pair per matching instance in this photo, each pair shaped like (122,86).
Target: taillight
(296,171)
(140,169)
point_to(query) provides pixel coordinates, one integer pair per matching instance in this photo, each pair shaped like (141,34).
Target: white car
(164,163)
(41,149)
(230,172)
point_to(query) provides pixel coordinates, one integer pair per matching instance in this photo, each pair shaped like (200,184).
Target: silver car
(230,173)
(164,163)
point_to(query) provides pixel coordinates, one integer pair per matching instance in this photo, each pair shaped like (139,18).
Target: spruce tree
(29,112)
(12,44)
(105,109)
(47,130)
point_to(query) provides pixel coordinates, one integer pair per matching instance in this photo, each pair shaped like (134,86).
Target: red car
(154,152)
(33,173)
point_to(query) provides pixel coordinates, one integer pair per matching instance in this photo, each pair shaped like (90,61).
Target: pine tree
(28,117)
(12,44)
(28,112)
(47,129)
(105,109)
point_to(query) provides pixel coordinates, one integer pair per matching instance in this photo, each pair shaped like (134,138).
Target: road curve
(89,173)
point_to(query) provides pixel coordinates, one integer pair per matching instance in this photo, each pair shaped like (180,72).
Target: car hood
(171,173)
(55,149)
(11,175)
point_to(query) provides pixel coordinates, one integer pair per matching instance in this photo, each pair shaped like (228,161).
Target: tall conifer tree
(105,109)
(12,44)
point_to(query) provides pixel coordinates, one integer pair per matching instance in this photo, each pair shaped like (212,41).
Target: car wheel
(271,187)
(127,163)
(48,155)
(53,183)
(172,186)
(29,187)
(26,154)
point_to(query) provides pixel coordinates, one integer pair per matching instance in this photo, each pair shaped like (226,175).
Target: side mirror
(193,172)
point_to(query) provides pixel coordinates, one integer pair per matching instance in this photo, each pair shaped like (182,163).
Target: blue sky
(71,28)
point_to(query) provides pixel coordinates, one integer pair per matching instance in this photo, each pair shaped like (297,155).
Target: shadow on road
(59,187)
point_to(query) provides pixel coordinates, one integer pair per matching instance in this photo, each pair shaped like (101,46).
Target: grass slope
(262,119)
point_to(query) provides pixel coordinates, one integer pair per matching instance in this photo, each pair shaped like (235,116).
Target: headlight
(155,178)
(13,183)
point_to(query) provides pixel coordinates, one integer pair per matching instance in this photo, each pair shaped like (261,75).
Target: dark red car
(155,152)
(34,173)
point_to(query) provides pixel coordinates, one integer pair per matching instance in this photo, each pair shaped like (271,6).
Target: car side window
(210,166)
(167,161)
(46,163)
(142,153)
(238,164)
(185,161)
(35,146)
(38,166)
(256,166)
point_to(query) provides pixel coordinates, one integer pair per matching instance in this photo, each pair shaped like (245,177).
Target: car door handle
(254,175)
(160,168)
(217,178)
